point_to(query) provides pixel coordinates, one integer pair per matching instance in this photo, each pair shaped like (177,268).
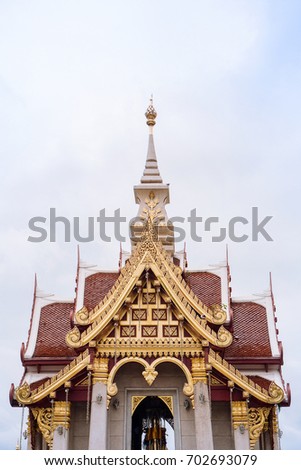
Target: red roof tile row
(250,331)
(206,286)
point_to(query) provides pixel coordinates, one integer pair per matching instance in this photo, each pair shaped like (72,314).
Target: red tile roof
(53,327)
(97,286)
(250,331)
(55,318)
(206,286)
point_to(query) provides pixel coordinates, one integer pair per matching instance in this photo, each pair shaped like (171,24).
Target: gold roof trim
(215,315)
(222,338)
(149,255)
(75,339)
(271,396)
(25,396)
(132,347)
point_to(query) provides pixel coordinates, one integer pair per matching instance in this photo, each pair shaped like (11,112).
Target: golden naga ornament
(218,313)
(82,315)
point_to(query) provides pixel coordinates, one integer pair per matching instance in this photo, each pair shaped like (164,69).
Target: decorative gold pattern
(82,315)
(44,418)
(257,418)
(149,331)
(174,289)
(152,214)
(100,370)
(61,414)
(198,370)
(274,395)
(25,396)
(275,423)
(128,331)
(159,314)
(139,315)
(168,401)
(170,278)
(216,382)
(147,347)
(151,114)
(170,331)
(136,400)
(150,374)
(240,414)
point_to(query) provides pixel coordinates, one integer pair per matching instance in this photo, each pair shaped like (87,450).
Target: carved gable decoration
(148,322)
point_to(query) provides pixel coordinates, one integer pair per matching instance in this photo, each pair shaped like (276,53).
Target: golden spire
(151,114)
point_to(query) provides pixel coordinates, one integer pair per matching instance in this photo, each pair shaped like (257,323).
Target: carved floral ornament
(253,419)
(167,399)
(48,419)
(149,373)
(257,418)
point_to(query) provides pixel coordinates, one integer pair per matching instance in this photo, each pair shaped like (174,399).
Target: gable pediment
(148,323)
(149,285)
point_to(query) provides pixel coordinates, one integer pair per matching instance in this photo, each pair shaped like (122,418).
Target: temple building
(153,355)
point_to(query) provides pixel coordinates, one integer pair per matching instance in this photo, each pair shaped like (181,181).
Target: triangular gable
(150,256)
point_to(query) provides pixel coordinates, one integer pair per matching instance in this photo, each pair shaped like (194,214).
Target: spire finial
(151,172)
(151,114)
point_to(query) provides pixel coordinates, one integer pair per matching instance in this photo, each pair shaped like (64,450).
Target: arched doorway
(152,425)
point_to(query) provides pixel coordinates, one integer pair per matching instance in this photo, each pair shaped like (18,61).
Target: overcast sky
(75,80)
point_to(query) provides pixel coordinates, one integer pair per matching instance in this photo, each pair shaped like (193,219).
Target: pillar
(240,425)
(202,405)
(98,416)
(61,425)
(275,428)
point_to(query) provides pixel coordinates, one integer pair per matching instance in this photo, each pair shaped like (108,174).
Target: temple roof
(54,321)
(195,306)
(249,319)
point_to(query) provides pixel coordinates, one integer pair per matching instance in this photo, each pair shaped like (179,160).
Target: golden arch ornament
(149,373)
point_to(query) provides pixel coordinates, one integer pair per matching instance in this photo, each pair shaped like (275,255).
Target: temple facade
(153,355)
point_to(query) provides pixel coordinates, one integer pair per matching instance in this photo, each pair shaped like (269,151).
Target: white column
(202,405)
(241,438)
(202,416)
(99,412)
(275,424)
(61,425)
(240,425)
(98,417)
(60,438)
